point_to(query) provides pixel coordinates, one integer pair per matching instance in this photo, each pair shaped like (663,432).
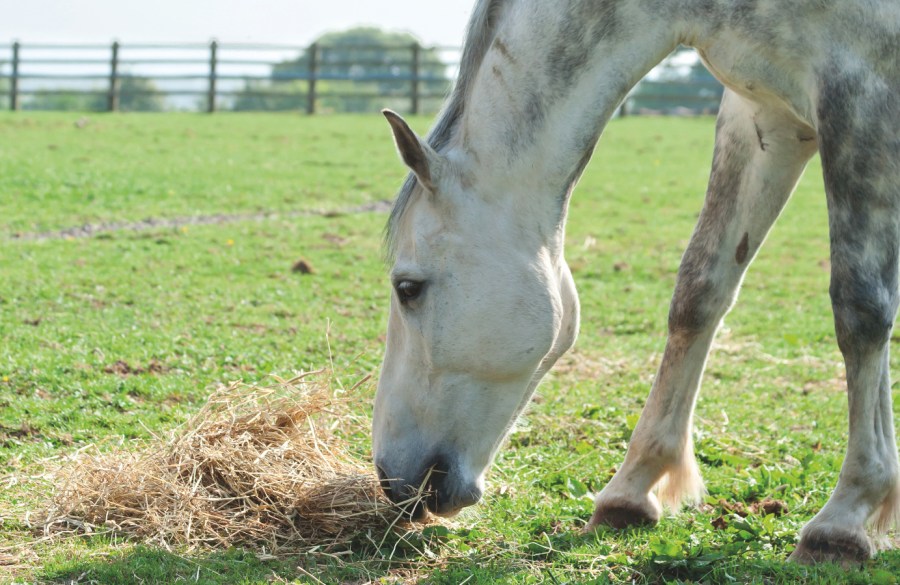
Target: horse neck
(547,85)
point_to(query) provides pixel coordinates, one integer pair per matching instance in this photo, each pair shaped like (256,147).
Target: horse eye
(408,290)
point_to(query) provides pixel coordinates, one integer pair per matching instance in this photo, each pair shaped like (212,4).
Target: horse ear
(421,159)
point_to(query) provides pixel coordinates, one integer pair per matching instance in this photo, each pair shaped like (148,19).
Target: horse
(483,302)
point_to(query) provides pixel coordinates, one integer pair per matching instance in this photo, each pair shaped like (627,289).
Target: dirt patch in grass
(92,229)
(24,432)
(302,267)
(123,368)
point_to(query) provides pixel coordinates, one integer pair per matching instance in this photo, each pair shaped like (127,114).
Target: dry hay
(258,467)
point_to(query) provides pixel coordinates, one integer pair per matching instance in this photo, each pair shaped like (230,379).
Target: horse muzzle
(437,488)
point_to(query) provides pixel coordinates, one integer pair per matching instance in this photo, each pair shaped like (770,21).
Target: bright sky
(295,22)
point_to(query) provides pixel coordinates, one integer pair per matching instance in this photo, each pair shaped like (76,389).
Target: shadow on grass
(143,564)
(557,558)
(882,570)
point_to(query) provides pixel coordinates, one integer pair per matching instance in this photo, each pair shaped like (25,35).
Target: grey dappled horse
(484,302)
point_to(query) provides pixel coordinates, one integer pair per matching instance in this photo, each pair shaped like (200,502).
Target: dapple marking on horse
(484,302)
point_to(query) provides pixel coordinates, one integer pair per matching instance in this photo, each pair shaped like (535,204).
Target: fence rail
(214,75)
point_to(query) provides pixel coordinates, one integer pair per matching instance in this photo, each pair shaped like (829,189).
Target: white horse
(484,303)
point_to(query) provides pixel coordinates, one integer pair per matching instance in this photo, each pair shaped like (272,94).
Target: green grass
(104,168)
(208,304)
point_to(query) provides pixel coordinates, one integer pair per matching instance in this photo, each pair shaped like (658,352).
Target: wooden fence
(213,76)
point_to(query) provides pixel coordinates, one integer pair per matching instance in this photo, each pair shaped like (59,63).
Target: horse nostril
(384,481)
(436,490)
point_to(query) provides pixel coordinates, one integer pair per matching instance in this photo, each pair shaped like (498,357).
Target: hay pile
(257,467)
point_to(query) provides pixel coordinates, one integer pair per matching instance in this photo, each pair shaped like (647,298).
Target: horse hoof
(833,546)
(622,514)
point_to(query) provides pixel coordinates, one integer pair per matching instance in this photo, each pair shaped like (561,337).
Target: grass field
(187,307)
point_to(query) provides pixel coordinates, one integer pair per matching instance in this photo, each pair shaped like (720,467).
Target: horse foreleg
(759,156)
(858,142)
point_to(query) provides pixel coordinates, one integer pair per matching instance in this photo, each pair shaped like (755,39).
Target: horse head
(482,306)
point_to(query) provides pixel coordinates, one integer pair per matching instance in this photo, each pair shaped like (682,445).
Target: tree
(136,94)
(139,94)
(357,70)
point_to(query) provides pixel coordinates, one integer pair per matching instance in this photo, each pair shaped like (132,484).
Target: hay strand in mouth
(257,467)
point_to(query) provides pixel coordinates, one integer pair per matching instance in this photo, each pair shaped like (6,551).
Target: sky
(295,22)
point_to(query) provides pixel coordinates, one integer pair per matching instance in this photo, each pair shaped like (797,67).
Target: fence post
(414,70)
(313,66)
(112,103)
(213,62)
(14,79)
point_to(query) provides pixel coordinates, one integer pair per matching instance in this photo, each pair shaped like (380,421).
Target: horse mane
(478,38)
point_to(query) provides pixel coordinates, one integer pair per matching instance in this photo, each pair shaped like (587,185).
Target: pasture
(108,336)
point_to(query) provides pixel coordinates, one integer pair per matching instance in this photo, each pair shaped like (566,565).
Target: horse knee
(864,314)
(699,303)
